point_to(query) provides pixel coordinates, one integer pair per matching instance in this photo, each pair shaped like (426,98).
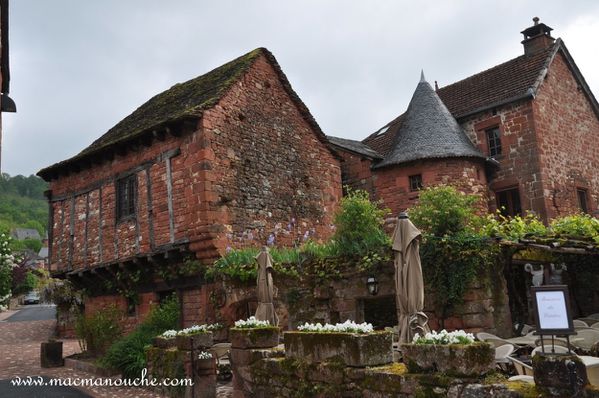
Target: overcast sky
(78,67)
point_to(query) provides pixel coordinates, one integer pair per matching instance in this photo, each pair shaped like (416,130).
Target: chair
(523,378)
(588,320)
(220,351)
(548,349)
(526,329)
(496,341)
(585,338)
(578,323)
(595,325)
(503,352)
(522,368)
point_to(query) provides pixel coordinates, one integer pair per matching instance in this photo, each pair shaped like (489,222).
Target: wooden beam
(169,194)
(150,207)
(71,233)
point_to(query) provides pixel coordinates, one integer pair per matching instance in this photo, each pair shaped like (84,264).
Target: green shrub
(128,353)
(453,253)
(96,332)
(444,210)
(512,228)
(359,226)
(580,226)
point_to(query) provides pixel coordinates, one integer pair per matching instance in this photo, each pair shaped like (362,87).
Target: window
(508,202)
(415,182)
(126,192)
(582,200)
(494,141)
(131,307)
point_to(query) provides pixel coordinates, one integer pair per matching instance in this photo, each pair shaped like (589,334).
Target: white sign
(551,306)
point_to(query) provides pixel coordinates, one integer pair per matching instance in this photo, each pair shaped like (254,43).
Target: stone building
(533,120)
(229,159)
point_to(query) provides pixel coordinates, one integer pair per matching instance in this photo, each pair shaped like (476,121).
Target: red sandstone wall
(146,302)
(392,183)
(519,161)
(567,130)
(255,167)
(355,171)
(263,169)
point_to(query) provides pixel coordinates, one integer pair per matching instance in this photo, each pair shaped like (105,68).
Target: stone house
(532,121)
(229,159)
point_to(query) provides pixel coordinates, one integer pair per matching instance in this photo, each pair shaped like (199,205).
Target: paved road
(38,312)
(8,390)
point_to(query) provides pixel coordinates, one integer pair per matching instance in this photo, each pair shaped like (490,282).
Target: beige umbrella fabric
(409,285)
(266,309)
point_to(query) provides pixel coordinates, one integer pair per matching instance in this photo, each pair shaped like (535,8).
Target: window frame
(420,184)
(584,208)
(509,209)
(126,185)
(494,143)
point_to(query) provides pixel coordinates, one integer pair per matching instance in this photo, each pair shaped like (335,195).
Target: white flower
(251,322)
(205,355)
(444,337)
(169,334)
(345,327)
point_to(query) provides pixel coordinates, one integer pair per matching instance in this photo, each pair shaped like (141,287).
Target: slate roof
(507,82)
(185,101)
(516,79)
(428,130)
(354,146)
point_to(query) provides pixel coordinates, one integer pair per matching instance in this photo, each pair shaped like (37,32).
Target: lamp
(373,285)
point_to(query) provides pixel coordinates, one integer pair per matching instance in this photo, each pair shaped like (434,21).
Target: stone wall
(392,184)
(270,373)
(567,129)
(253,168)
(265,173)
(485,307)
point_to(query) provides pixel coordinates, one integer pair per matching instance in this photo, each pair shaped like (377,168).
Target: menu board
(552,309)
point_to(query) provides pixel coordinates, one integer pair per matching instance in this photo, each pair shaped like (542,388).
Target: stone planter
(357,350)
(163,342)
(266,337)
(194,342)
(474,359)
(51,354)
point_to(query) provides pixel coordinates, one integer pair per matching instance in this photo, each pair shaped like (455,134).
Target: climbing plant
(453,251)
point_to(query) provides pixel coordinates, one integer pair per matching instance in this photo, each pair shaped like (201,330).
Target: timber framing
(107,271)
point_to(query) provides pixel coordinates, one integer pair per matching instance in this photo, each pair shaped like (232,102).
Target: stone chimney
(537,37)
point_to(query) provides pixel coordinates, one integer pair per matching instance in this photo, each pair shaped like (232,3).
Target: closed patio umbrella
(266,309)
(409,285)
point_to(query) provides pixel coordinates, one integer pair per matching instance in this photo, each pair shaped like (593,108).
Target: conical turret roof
(429,131)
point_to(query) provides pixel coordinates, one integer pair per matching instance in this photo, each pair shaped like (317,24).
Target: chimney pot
(537,37)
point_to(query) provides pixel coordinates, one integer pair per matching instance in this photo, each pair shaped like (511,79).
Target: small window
(494,141)
(126,192)
(131,307)
(508,202)
(582,200)
(415,182)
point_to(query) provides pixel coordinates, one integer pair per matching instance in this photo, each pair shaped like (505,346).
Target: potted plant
(453,353)
(166,340)
(194,338)
(205,361)
(356,345)
(253,333)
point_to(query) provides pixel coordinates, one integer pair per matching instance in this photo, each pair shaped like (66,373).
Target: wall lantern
(373,285)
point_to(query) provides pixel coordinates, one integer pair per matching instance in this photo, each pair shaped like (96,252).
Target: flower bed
(253,333)
(452,353)
(353,344)
(195,337)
